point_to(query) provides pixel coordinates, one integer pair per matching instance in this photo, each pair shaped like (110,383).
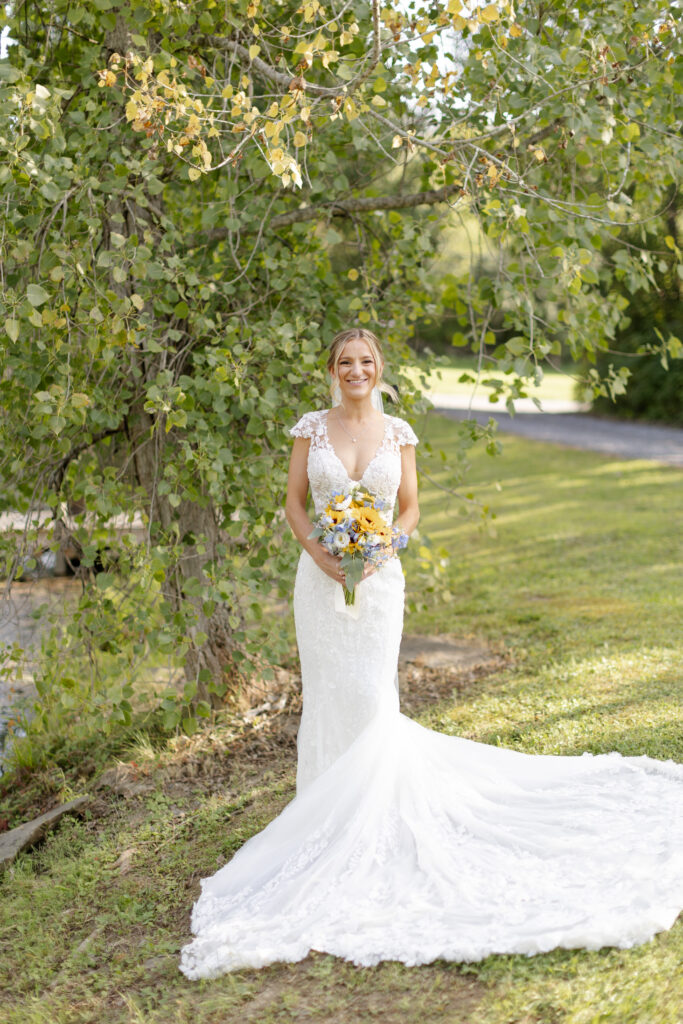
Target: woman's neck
(359,411)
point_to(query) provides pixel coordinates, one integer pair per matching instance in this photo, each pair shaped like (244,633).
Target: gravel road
(578,430)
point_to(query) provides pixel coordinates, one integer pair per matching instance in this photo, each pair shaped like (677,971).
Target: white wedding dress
(405,844)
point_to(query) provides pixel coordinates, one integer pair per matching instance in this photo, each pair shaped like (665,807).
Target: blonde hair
(338,344)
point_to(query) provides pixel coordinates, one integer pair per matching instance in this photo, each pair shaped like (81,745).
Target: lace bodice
(326,472)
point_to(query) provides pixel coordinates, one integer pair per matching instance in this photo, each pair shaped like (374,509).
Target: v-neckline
(350,478)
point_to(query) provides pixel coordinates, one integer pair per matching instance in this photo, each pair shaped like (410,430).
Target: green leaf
(103,580)
(12,328)
(36,295)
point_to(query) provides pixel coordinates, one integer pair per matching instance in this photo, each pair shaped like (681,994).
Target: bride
(402,843)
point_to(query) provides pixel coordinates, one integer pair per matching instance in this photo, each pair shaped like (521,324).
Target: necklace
(347,432)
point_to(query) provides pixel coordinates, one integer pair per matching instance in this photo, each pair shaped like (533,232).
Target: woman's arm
(408,508)
(296,515)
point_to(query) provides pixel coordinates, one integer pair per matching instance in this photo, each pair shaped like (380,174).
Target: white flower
(341,504)
(342,541)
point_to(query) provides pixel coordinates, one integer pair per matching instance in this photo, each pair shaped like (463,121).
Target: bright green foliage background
(165,313)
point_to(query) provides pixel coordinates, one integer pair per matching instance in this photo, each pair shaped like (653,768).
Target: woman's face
(357,372)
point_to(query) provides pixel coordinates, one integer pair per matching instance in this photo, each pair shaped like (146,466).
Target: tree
(197,196)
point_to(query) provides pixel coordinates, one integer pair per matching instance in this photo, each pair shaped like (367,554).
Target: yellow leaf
(459,22)
(304,113)
(396,142)
(454,6)
(670,241)
(131,111)
(299,139)
(272,110)
(193,173)
(539,154)
(272,128)
(254,51)
(353,275)
(227,92)
(515,31)
(350,109)
(256,30)
(489,13)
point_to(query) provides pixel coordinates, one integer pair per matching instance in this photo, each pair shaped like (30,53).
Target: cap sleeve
(404,433)
(308,426)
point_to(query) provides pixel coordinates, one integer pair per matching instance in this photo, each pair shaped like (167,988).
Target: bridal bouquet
(353,526)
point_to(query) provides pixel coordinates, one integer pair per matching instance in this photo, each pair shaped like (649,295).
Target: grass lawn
(556,385)
(581,585)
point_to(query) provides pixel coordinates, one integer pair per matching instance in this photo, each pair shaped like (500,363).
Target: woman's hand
(330,564)
(368,570)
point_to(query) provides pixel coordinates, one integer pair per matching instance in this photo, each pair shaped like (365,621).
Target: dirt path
(611,437)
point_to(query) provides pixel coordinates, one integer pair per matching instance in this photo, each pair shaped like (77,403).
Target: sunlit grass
(446,380)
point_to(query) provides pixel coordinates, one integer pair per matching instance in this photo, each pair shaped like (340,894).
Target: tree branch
(285,80)
(57,474)
(338,208)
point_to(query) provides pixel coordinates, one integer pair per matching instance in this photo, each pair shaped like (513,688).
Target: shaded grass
(582,586)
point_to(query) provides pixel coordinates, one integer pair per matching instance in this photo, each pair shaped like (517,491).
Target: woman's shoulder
(311,424)
(401,431)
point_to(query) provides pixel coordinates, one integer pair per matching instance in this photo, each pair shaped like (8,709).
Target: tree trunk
(197,521)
